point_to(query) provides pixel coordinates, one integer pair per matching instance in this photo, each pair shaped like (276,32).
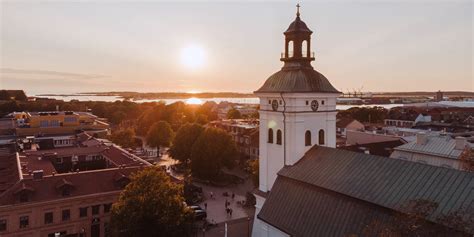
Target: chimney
(421,138)
(38,174)
(460,143)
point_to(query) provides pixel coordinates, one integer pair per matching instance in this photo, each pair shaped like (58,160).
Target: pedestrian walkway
(216,208)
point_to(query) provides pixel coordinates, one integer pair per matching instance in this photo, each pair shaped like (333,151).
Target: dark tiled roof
(298,79)
(375,148)
(9,170)
(342,123)
(355,181)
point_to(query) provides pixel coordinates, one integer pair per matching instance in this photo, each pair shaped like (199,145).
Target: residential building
(438,150)
(244,132)
(348,124)
(384,149)
(56,123)
(64,191)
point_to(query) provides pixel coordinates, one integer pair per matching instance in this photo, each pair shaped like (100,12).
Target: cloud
(49,73)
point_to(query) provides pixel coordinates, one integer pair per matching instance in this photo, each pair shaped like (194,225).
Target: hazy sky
(63,47)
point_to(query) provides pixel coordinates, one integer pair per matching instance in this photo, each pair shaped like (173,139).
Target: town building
(439,96)
(54,123)
(438,150)
(307,187)
(348,124)
(244,132)
(375,148)
(407,120)
(65,191)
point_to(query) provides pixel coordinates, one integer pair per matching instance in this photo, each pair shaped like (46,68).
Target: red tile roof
(46,189)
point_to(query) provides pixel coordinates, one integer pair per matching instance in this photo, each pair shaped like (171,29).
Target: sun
(194,101)
(193,56)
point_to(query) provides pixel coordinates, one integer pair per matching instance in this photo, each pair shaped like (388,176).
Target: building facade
(63,192)
(297,111)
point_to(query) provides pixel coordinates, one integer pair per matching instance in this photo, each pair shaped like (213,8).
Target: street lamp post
(248,226)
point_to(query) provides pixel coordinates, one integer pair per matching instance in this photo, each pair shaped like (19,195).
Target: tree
(160,134)
(124,138)
(413,220)
(233,114)
(254,171)
(150,205)
(184,141)
(213,150)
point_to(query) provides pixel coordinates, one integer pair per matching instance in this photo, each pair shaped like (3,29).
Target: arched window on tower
(304,49)
(321,137)
(270,135)
(290,49)
(307,138)
(278,137)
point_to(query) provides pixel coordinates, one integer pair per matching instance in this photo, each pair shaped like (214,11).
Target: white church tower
(297,111)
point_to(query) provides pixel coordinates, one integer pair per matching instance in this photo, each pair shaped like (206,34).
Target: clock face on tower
(275,105)
(314,105)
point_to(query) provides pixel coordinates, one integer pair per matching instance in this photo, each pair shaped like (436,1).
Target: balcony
(291,56)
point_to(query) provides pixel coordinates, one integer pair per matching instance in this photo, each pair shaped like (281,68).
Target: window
(44,123)
(280,102)
(307,102)
(322,102)
(66,215)
(95,209)
(321,137)
(289,49)
(66,191)
(106,229)
(54,123)
(70,119)
(24,197)
(307,138)
(270,135)
(304,49)
(24,221)
(58,160)
(269,102)
(48,218)
(3,225)
(83,212)
(278,137)
(107,207)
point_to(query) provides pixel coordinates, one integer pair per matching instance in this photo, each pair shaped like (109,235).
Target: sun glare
(194,101)
(193,56)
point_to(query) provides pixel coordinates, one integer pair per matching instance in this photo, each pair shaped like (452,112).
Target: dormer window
(64,187)
(23,194)
(24,197)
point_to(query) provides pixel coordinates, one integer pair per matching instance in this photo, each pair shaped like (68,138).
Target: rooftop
(332,192)
(437,145)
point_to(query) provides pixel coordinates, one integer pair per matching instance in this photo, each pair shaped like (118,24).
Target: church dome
(298,26)
(300,80)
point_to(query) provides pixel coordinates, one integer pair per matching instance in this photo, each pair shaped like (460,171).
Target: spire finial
(298,10)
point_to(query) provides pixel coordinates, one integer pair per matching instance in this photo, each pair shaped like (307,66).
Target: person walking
(230,212)
(233,196)
(205,206)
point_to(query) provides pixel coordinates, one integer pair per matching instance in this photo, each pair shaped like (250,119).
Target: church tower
(297,107)
(297,111)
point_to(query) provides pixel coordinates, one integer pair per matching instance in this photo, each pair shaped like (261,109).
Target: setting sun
(193,56)
(194,101)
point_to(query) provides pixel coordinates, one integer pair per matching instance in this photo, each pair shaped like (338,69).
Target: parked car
(200,214)
(195,208)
